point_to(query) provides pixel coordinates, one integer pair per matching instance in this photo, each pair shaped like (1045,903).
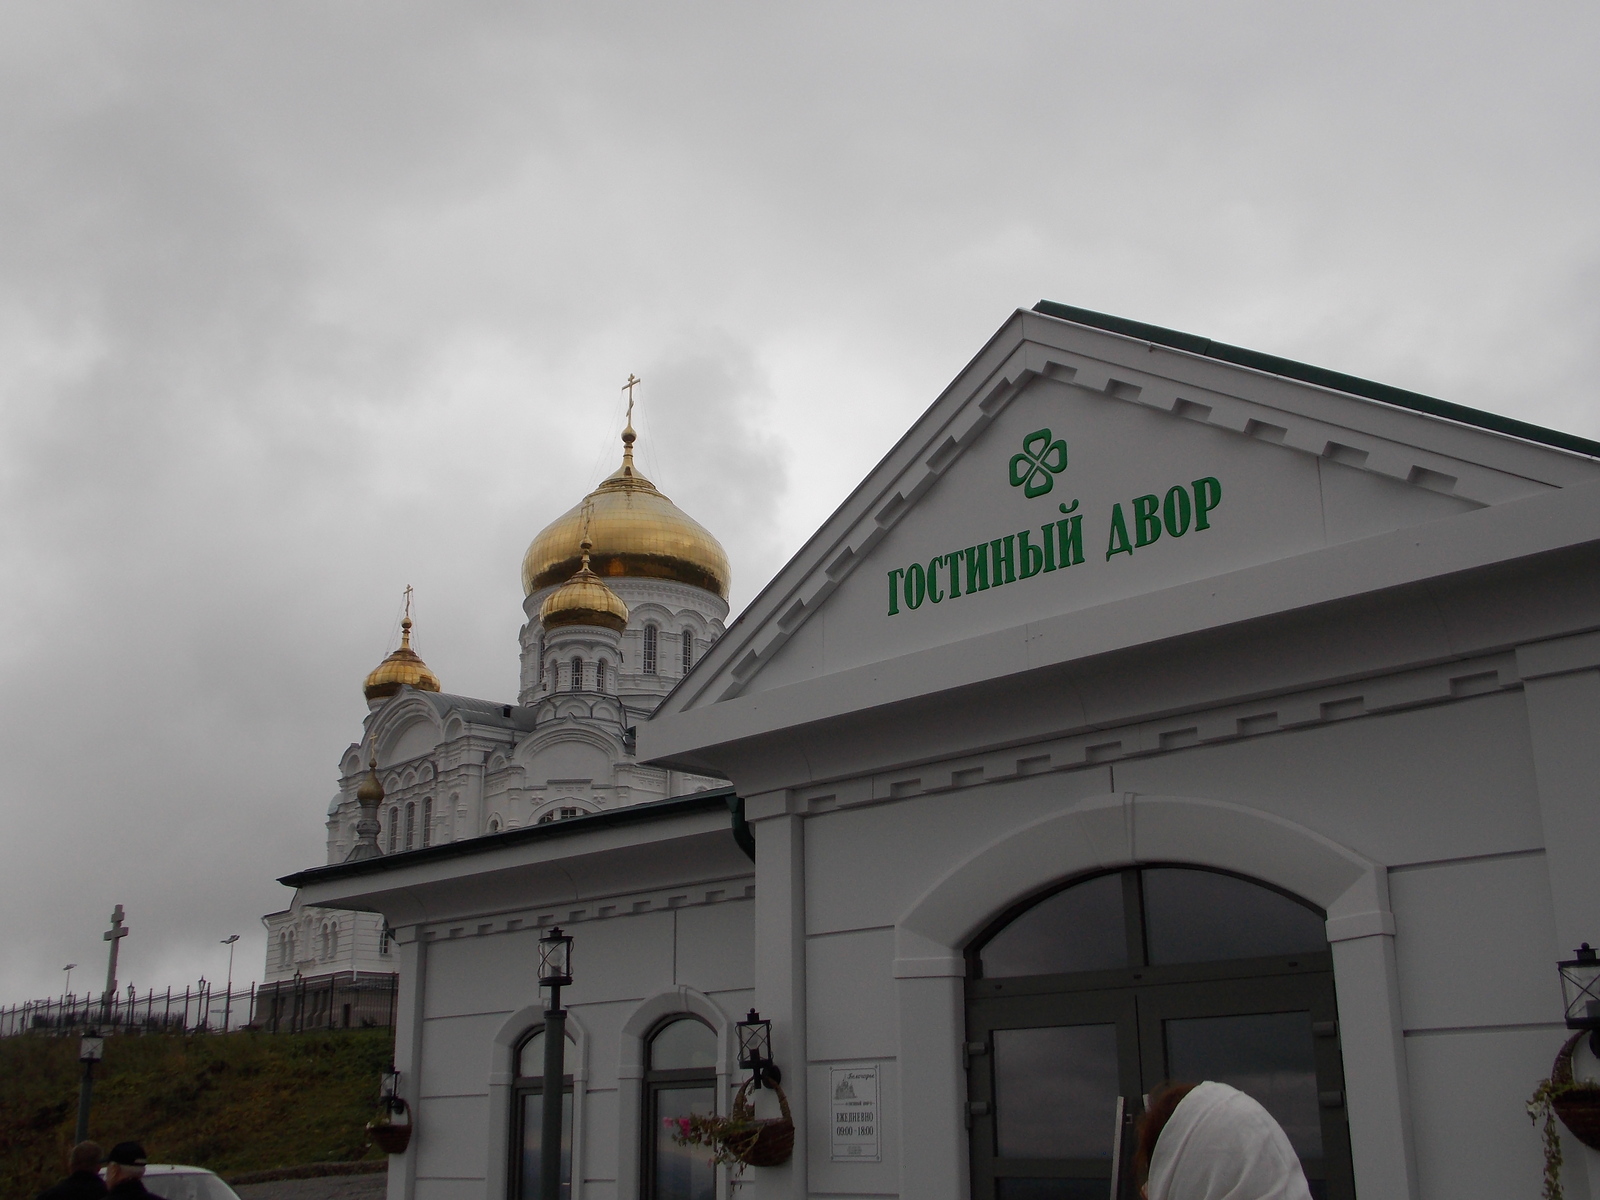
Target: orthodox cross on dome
(405,621)
(628,435)
(633,382)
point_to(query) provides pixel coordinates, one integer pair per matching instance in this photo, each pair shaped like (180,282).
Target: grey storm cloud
(302,303)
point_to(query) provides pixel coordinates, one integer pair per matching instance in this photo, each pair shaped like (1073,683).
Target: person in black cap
(125,1170)
(84,1183)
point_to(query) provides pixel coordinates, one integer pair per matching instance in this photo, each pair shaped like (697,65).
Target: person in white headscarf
(1219,1144)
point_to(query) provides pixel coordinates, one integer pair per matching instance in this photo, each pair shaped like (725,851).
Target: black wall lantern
(555,962)
(390,1099)
(1580,990)
(755,1049)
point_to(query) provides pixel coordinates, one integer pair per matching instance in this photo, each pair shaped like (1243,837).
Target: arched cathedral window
(600,675)
(427,821)
(577,674)
(411,824)
(394,829)
(688,650)
(650,634)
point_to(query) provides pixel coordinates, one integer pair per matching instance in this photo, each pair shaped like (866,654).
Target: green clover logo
(1041,460)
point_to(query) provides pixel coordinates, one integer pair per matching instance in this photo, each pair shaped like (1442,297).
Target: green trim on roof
(1336,380)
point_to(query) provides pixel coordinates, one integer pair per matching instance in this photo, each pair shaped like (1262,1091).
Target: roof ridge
(1321,377)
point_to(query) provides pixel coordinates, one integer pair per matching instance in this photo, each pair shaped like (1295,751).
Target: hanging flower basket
(1577,1104)
(389,1135)
(740,1139)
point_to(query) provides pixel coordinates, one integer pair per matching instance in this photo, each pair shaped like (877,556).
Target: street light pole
(555,972)
(227,1003)
(67,988)
(91,1049)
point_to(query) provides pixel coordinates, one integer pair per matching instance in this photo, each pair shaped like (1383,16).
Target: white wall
(474,986)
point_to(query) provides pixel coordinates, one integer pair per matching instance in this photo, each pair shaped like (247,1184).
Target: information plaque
(854,1092)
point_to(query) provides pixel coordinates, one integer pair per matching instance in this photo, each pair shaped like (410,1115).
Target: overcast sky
(303,303)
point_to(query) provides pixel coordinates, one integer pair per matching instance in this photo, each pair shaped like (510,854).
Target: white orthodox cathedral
(623,593)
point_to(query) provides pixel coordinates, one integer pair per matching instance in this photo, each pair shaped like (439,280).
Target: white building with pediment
(624,593)
(1155,711)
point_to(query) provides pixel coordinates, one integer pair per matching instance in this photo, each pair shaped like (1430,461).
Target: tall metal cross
(633,382)
(408,601)
(114,935)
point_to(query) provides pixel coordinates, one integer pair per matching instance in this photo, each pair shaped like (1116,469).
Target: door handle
(1116,1150)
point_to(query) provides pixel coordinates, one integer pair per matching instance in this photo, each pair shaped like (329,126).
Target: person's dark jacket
(80,1185)
(130,1189)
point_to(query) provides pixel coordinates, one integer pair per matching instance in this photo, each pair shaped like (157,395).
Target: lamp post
(227,1002)
(755,1049)
(67,987)
(1580,991)
(555,973)
(91,1049)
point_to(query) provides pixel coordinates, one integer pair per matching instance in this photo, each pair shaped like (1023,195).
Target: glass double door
(1051,1073)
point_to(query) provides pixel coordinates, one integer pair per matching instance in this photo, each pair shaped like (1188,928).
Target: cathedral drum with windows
(623,594)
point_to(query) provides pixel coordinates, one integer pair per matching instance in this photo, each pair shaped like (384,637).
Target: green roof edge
(1321,377)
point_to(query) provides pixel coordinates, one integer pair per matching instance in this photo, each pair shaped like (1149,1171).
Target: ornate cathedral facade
(624,593)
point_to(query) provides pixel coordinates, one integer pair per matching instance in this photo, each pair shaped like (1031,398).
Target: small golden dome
(635,530)
(584,600)
(371,789)
(401,669)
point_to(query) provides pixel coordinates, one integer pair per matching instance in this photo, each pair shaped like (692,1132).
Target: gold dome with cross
(635,531)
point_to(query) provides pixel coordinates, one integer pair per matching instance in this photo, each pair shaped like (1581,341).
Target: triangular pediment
(1071,468)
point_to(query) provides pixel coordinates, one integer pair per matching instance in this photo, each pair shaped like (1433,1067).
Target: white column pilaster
(1561,688)
(780,974)
(409,1012)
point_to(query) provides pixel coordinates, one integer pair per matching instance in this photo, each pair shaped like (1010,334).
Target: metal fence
(342,1000)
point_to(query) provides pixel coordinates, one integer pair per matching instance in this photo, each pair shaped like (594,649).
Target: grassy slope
(234,1102)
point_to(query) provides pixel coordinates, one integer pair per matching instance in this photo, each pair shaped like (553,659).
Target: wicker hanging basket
(1577,1104)
(388,1135)
(771,1143)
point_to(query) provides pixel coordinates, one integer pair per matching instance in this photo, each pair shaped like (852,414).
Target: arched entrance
(1081,1000)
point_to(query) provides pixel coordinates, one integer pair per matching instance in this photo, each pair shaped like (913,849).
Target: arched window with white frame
(411,824)
(1114,983)
(688,650)
(651,633)
(577,674)
(527,1116)
(394,829)
(680,1082)
(600,675)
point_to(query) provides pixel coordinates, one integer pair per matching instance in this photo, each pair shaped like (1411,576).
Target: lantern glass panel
(555,959)
(91,1049)
(755,1042)
(1580,987)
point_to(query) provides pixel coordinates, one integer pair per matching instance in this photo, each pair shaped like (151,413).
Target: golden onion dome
(401,669)
(584,600)
(635,531)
